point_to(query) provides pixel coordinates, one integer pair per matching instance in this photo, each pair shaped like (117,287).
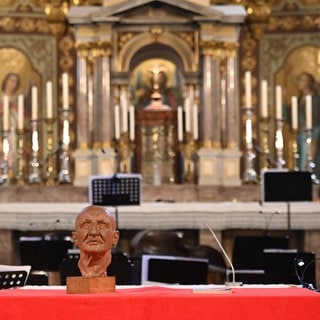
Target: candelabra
(50,171)
(4,166)
(189,148)
(65,160)
(279,144)
(20,158)
(294,146)
(310,165)
(250,174)
(124,147)
(34,174)
(264,127)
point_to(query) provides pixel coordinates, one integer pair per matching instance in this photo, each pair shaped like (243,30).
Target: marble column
(209,166)
(82,154)
(231,155)
(104,160)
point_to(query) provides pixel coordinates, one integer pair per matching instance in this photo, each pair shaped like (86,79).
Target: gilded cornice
(24,25)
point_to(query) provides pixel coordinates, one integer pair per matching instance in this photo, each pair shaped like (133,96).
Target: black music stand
(13,276)
(122,189)
(286,186)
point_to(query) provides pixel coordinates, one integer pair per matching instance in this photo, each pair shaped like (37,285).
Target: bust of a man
(95,234)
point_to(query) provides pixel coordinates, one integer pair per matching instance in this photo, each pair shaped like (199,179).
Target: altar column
(103,152)
(82,155)
(209,154)
(231,155)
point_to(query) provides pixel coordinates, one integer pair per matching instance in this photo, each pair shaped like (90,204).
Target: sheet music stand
(13,279)
(286,186)
(121,189)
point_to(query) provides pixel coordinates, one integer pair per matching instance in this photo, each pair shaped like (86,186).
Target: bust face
(95,231)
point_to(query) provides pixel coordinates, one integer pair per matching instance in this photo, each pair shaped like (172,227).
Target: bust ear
(74,237)
(116,235)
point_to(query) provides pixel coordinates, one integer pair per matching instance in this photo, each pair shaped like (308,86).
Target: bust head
(95,234)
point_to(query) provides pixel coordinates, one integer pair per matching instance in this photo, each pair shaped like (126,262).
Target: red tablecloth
(161,303)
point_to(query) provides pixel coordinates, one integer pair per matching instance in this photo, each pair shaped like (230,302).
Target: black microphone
(301,263)
(233,283)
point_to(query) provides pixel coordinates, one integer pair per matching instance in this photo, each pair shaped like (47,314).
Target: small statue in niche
(95,234)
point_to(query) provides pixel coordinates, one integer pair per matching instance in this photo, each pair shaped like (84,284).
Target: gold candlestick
(65,159)
(20,158)
(250,174)
(264,129)
(125,148)
(295,152)
(310,165)
(279,144)
(34,175)
(189,148)
(4,166)
(50,172)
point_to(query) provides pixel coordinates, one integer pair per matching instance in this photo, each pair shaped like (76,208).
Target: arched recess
(138,43)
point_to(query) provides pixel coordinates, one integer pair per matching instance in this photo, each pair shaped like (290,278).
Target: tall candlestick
(132,123)
(309,111)
(248,89)
(278,102)
(294,112)
(264,99)
(180,123)
(20,112)
(34,103)
(49,100)
(65,91)
(116,122)
(195,122)
(5,113)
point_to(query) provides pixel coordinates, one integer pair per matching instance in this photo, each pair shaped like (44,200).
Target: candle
(49,100)
(5,113)
(65,91)
(124,108)
(187,114)
(248,89)
(264,99)
(116,122)
(20,112)
(180,124)
(195,122)
(132,123)
(248,132)
(294,112)
(309,111)
(34,103)
(278,102)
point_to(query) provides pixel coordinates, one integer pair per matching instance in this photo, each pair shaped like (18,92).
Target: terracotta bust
(95,234)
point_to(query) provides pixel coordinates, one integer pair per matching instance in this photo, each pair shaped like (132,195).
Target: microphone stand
(233,283)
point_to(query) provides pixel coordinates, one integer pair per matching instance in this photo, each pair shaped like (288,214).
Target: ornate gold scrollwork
(56,11)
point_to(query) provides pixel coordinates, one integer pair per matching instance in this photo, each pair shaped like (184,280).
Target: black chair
(121,267)
(38,278)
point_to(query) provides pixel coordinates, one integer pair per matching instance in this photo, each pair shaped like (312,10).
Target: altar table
(162,303)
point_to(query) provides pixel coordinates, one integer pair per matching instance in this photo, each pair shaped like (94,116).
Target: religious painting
(156,76)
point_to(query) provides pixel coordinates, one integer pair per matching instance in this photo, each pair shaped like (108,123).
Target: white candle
(309,111)
(187,114)
(116,122)
(5,113)
(124,109)
(264,99)
(278,102)
(195,122)
(180,123)
(132,123)
(294,112)
(65,91)
(34,103)
(49,100)
(65,133)
(248,131)
(20,112)
(248,89)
